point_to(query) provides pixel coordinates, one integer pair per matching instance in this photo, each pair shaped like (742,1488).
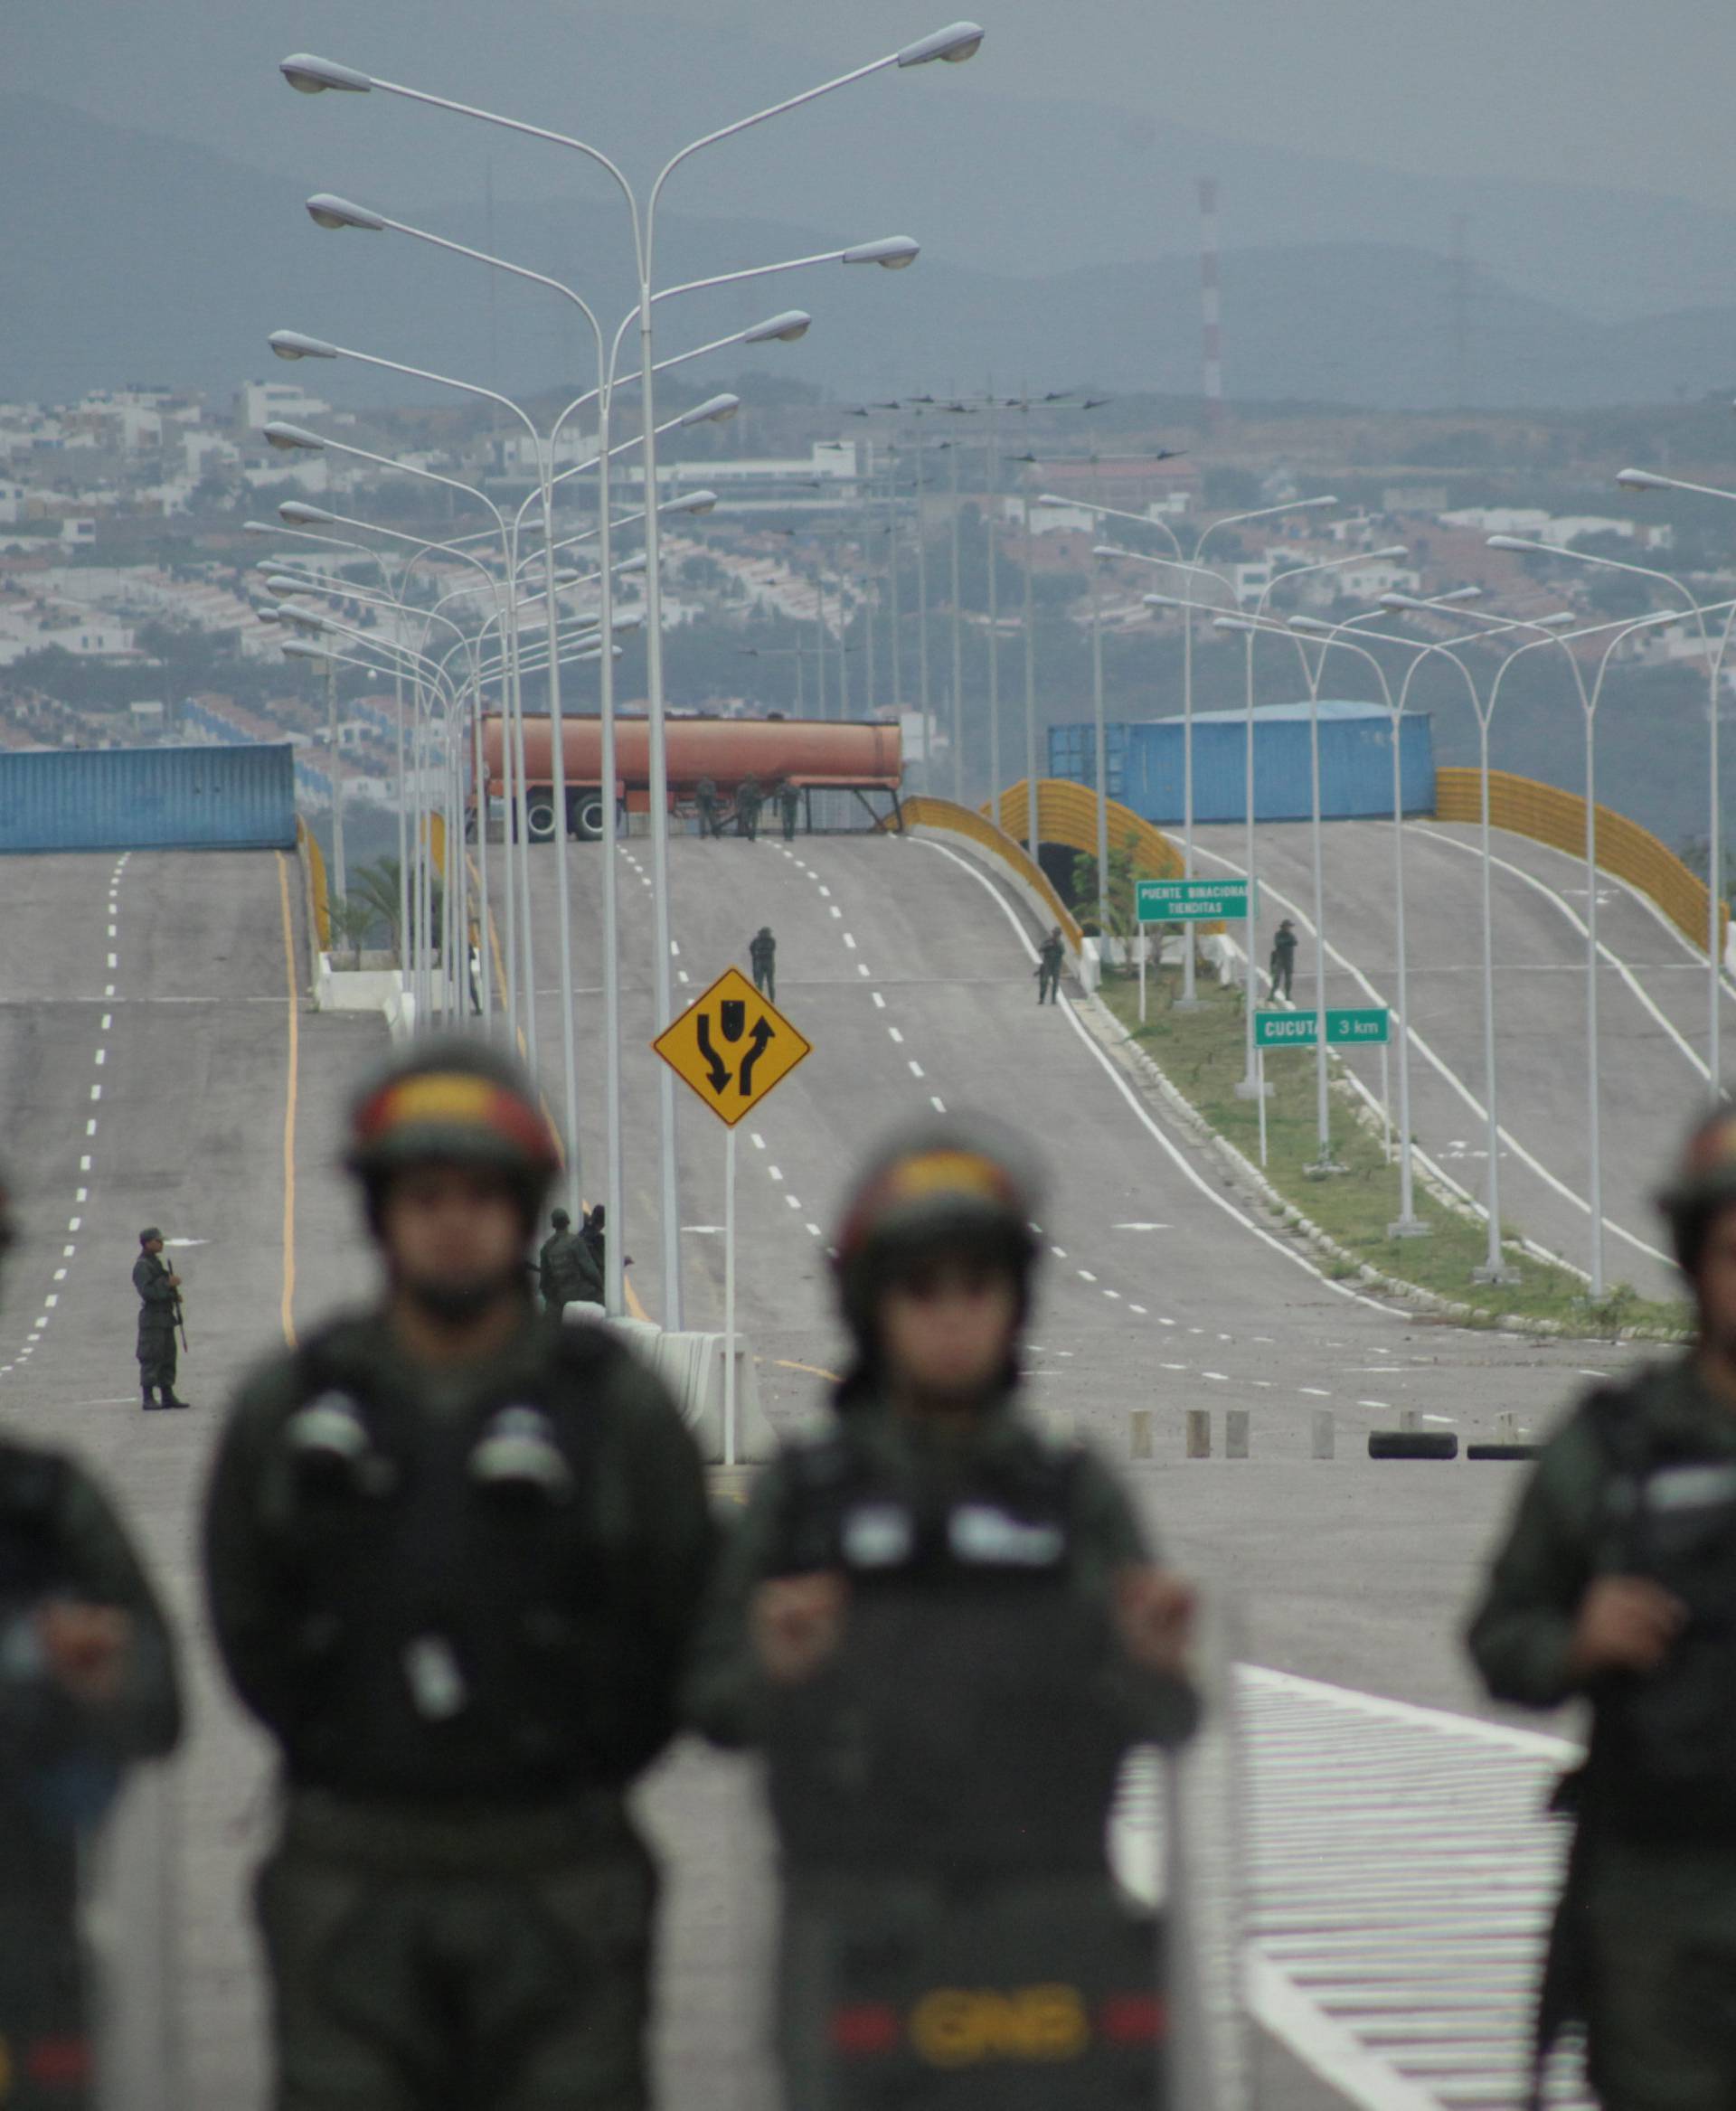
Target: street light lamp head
(292,345)
(311,76)
(712,412)
(269,614)
(1233,623)
(1312,625)
(955,43)
(1520,542)
(1641,480)
(1457,594)
(281,434)
(1109,550)
(1392,603)
(892,252)
(1394,550)
(636,562)
(302,648)
(1558,621)
(300,515)
(1163,601)
(783,329)
(330,211)
(692,502)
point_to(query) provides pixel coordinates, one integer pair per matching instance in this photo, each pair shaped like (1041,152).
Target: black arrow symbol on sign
(702,1040)
(763,1031)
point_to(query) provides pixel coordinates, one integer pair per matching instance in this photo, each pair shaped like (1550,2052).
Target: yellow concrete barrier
(318,893)
(1548,815)
(1066,815)
(979,830)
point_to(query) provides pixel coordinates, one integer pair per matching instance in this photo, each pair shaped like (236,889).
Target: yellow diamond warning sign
(732,1046)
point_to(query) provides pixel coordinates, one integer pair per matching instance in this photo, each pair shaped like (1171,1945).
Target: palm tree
(378,886)
(351,920)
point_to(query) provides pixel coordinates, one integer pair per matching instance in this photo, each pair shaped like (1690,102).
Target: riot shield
(86,1948)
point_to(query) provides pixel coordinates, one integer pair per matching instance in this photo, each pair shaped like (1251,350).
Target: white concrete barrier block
(1140,1441)
(1199,1433)
(1235,1432)
(691,1366)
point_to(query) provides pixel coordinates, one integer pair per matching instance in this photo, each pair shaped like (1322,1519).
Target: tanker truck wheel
(539,815)
(589,812)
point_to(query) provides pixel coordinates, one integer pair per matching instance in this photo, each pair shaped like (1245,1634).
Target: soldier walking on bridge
(705,799)
(945,1631)
(1051,957)
(789,802)
(748,799)
(455,1551)
(1282,965)
(1617,1585)
(159,1314)
(567,1272)
(762,956)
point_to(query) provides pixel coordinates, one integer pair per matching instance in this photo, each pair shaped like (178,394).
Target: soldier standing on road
(454,1552)
(1051,956)
(944,1631)
(87,1687)
(1281,968)
(790,801)
(159,1314)
(566,1272)
(748,799)
(762,955)
(705,799)
(1617,1584)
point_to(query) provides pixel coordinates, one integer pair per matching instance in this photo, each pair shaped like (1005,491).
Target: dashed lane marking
(916,1068)
(938,1105)
(895,1033)
(879,1001)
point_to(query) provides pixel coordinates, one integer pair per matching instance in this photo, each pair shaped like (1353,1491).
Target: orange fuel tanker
(812,754)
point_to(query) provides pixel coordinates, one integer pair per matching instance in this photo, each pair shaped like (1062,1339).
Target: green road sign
(1370,1024)
(1188,901)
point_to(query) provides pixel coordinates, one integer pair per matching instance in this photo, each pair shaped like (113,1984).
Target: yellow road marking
(289,1308)
(813,1369)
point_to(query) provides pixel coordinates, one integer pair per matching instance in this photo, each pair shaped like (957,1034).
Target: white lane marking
(815,1229)
(59,1275)
(114,930)
(1458,1084)
(675,945)
(96,1092)
(1060,1252)
(108,990)
(1317,1392)
(74,1223)
(1447,1418)
(849,941)
(861,968)
(107,1021)
(773,1173)
(916,1068)
(837,912)
(1170,1149)
(68,1252)
(1142,1228)
(938,1105)
(83,1195)
(102,1055)
(1163,1322)
(826,891)
(1385,1406)
(879,1001)
(1217,1377)
(52,1299)
(1172,1366)
(758,1141)
(1139,1308)
(1112,1294)
(795,1202)
(895,1033)
(114,960)
(84,1167)
(1085,1275)
(681,974)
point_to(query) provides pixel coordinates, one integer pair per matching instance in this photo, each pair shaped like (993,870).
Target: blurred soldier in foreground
(945,1631)
(763,956)
(567,1272)
(1051,955)
(454,1553)
(87,1685)
(1617,1584)
(159,1313)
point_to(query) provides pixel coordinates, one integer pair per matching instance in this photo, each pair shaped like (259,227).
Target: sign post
(1361,1026)
(732,1046)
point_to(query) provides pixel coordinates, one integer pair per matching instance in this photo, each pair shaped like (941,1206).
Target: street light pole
(958,644)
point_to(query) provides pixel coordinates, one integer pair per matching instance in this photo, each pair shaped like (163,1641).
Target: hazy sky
(1632,93)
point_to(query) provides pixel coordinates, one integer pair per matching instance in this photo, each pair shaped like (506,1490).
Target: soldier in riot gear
(454,1552)
(944,1632)
(159,1314)
(568,1273)
(87,1686)
(1617,1584)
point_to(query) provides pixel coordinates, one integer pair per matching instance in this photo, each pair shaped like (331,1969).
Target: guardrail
(313,866)
(1548,815)
(923,812)
(1066,815)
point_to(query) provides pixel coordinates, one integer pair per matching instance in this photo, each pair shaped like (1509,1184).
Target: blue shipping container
(240,797)
(1145,763)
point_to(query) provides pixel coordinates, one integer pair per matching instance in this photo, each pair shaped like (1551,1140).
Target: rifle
(181,1322)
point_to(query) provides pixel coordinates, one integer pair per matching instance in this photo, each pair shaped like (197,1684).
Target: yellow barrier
(318,893)
(926,813)
(1066,815)
(1548,815)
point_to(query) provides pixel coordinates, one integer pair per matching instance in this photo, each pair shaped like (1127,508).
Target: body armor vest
(965,1723)
(1663,1746)
(462,1619)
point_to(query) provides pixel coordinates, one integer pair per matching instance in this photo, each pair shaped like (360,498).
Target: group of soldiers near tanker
(461,1567)
(749,800)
